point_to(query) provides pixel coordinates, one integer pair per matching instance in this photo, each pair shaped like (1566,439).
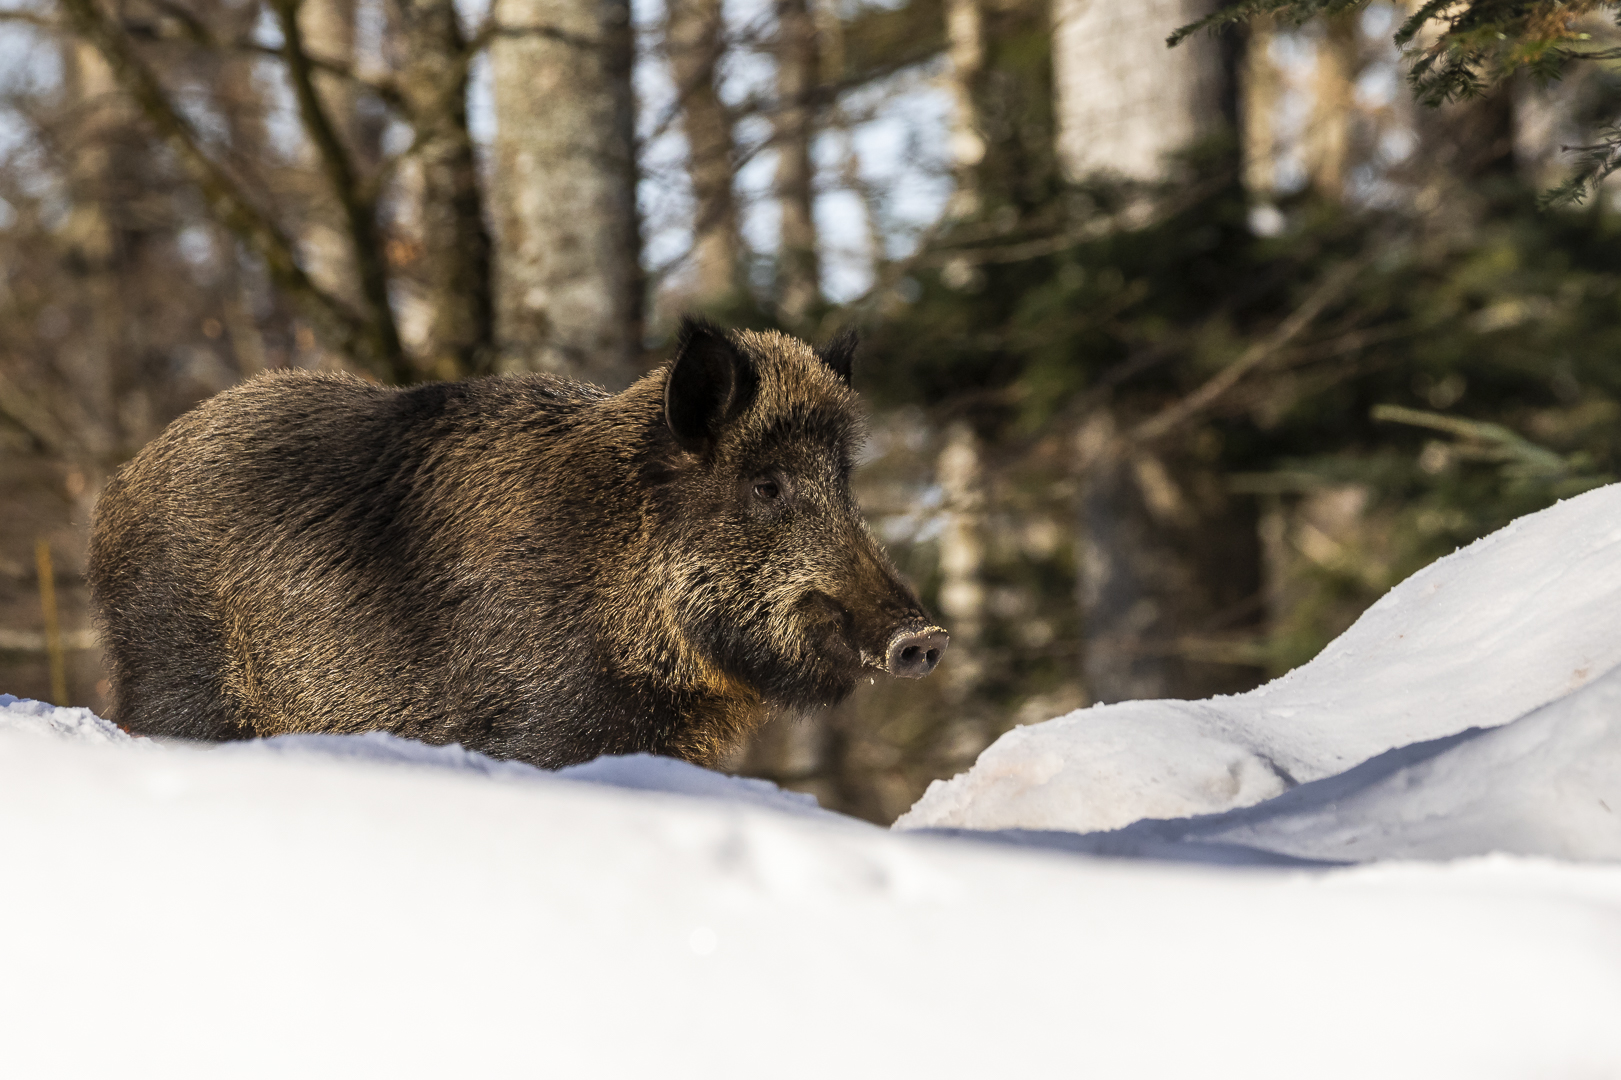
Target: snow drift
(1477,639)
(363,907)
(1546,784)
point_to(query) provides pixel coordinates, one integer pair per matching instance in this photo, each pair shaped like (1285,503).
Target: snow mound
(1546,784)
(41,718)
(636,772)
(276,912)
(1518,619)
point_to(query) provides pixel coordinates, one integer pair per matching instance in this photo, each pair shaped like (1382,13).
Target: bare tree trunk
(1124,99)
(1170,571)
(456,248)
(97,245)
(962,558)
(329,35)
(568,287)
(1260,87)
(966,35)
(1329,136)
(328,27)
(695,36)
(798,65)
(341,168)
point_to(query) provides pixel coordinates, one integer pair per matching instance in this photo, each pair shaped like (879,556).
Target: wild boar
(528,566)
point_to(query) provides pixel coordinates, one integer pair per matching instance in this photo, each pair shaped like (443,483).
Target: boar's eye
(767,491)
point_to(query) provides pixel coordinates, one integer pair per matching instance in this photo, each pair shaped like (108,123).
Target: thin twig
(326,314)
(383,353)
(1168,418)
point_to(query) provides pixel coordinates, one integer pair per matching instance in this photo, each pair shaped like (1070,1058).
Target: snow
(1546,784)
(375,909)
(1402,860)
(637,772)
(1478,639)
(37,717)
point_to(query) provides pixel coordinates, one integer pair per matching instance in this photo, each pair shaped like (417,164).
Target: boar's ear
(711,382)
(840,353)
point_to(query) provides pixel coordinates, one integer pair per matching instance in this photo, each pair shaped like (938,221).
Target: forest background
(1177,358)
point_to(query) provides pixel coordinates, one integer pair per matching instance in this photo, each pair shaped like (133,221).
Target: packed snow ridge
(367,905)
(1482,638)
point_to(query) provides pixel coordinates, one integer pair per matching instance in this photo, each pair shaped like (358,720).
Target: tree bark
(798,270)
(695,36)
(1124,99)
(966,36)
(962,558)
(456,248)
(361,244)
(568,288)
(1261,87)
(1328,139)
(327,28)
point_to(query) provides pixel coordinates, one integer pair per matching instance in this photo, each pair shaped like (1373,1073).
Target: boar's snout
(912,654)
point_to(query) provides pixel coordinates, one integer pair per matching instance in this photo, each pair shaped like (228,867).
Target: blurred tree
(451,249)
(795,122)
(570,290)
(695,37)
(1124,103)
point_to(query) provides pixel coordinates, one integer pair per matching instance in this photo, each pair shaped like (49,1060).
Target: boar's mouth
(831,630)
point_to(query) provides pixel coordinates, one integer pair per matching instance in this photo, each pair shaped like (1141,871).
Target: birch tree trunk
(799,272)
(568,287)
(695,36)
(962,558)
(965,33)
(1328,138)
(1260,87)
(1124,99)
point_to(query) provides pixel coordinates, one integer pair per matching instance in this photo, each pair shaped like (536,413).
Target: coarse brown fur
(528,566)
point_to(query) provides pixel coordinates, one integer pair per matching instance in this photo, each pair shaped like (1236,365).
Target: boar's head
(778,580)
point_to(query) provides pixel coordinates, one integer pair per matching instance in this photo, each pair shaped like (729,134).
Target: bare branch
(383,351)
(30,414)
(386,89)
(1168,418)
(31,19)
(339,327)
(196,32)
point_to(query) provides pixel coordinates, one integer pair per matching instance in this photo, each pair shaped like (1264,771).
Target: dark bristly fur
(528,566)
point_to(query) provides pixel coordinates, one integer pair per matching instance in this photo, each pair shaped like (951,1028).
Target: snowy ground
(365,906)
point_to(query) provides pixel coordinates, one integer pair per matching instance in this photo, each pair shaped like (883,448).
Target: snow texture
(1546,784)
(382,910)
(39,718)
(1480,638)
(636,772)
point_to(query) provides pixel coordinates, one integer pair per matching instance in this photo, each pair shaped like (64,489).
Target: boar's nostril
(913,654)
